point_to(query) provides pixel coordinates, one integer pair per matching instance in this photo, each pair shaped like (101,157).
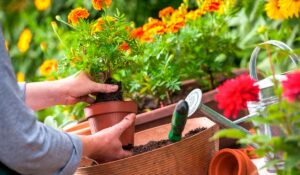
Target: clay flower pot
(190,156)
(232,162)
(106,114)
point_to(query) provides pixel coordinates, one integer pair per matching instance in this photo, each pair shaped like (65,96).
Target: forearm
(41,95)
(87,146)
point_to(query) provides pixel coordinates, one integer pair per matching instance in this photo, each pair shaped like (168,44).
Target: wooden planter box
(190,156)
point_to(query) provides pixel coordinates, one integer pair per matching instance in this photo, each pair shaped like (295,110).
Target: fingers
(124,124)
(105,88)
(86,99)
(124,154)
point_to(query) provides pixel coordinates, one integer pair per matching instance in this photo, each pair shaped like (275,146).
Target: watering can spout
(194,100)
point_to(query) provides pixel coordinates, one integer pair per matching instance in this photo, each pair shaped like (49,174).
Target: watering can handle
(279,44)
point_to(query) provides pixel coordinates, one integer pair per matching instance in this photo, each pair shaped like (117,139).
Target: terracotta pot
(232,162)
(106,114)
(190,156)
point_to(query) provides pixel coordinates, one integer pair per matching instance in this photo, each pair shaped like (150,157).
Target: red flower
(234,93)
(291,86)
(124,46)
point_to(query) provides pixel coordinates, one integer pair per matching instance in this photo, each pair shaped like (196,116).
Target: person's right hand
(105,145)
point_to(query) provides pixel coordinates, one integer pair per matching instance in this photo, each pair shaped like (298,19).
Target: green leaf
(50,121)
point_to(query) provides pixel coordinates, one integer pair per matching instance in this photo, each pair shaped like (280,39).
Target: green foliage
(201,50)
(229,133)
(251,26)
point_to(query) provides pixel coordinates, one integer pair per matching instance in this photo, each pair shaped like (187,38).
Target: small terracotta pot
(232,162)
(106,114)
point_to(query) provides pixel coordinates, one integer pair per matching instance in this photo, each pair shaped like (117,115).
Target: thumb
(125,123)
(105,88)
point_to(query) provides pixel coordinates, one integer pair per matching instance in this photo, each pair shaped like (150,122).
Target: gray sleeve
(22,87)
(28,146)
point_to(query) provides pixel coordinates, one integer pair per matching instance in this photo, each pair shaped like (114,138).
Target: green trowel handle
(179,118)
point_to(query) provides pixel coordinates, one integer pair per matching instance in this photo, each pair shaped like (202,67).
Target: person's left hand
(77,88)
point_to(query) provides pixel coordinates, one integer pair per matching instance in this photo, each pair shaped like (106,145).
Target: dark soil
(152,145)
(114,96)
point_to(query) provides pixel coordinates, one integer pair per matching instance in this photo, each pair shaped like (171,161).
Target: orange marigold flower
(24,40)
(212,5)
(159,30)
(166,11)
(98,4)
(176,26)
(42,4)
(48,67)
(177,15)
(137,33)
(98,25)
(124,46)
(155,26)
(76,14)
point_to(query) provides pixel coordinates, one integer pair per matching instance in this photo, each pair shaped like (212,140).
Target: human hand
(77,88)
(105,145)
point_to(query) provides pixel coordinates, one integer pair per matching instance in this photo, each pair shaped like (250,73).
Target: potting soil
(152,145)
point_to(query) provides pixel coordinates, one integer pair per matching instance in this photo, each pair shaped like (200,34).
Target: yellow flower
(273,10)
(20,77)
(48,67)
(194,14)
(76,14)
(42,4)
(289,8)
(24,40)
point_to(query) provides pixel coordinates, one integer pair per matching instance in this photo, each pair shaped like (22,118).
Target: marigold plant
(102,47)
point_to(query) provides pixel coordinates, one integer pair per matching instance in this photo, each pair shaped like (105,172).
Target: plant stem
(168,97)
(211,78)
